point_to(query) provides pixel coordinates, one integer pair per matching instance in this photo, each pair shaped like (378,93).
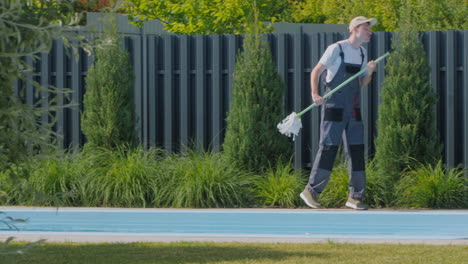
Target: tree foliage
(230,16)
(426,15)
(27,28)
(92,5)
(206,17)
(406,123)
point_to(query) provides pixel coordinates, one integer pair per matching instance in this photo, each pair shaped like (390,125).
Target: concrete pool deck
(121,237)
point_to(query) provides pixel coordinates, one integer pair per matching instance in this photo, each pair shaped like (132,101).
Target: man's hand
(371,65)
(318,100)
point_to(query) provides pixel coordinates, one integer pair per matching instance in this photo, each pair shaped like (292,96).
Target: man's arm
(314,83)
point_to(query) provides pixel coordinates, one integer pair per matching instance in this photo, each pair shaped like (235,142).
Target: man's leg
(354,147)
(321,170)
(331,129)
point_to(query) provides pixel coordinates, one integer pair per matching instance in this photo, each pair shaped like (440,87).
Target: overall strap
(341,52)
(362,55)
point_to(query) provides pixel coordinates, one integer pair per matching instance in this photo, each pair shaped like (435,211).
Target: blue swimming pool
(245,223)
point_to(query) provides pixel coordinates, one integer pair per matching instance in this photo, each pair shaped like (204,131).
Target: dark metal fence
(183,87)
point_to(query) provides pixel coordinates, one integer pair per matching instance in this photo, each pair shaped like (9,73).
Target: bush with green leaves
(279,186)
(108,118)
(252,140)
(433,186)
(200,179)
(406,123)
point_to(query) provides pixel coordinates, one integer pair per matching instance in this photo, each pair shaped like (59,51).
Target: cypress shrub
(406,122)
(108,119)
(252,140)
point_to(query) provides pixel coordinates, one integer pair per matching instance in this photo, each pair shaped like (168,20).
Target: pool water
(244,223)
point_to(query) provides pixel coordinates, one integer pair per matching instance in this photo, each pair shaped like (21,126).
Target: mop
(292,124)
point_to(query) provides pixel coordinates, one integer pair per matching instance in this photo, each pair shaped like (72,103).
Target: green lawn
(185,252)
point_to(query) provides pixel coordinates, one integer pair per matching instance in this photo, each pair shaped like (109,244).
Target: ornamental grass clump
(433,186)
(203,180)
(279,186)
(125,177)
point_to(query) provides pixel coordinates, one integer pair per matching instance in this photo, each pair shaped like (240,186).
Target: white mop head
(291,125)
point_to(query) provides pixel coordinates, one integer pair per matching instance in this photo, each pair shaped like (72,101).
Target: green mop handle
(343,84)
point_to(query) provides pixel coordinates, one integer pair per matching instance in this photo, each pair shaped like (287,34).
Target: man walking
(341,113)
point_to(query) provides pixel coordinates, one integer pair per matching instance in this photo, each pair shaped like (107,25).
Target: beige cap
(361,20)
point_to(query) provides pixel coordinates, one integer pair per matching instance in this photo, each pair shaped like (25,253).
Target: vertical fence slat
(136,43)
(450,100)
(144,89)
(45,72)
(16,87)
(76,98)
(232,51)
(184,92)
(370,113)
(60,84)
(433,60)
(281,63)
(168,91)
(200,91)
(465,100)
(29,91)
(217,99)
(298,93)
(315,112)
(152,87)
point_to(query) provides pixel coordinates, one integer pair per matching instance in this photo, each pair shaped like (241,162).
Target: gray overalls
(341,119)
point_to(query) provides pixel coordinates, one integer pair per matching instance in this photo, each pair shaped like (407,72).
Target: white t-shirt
(332,59)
